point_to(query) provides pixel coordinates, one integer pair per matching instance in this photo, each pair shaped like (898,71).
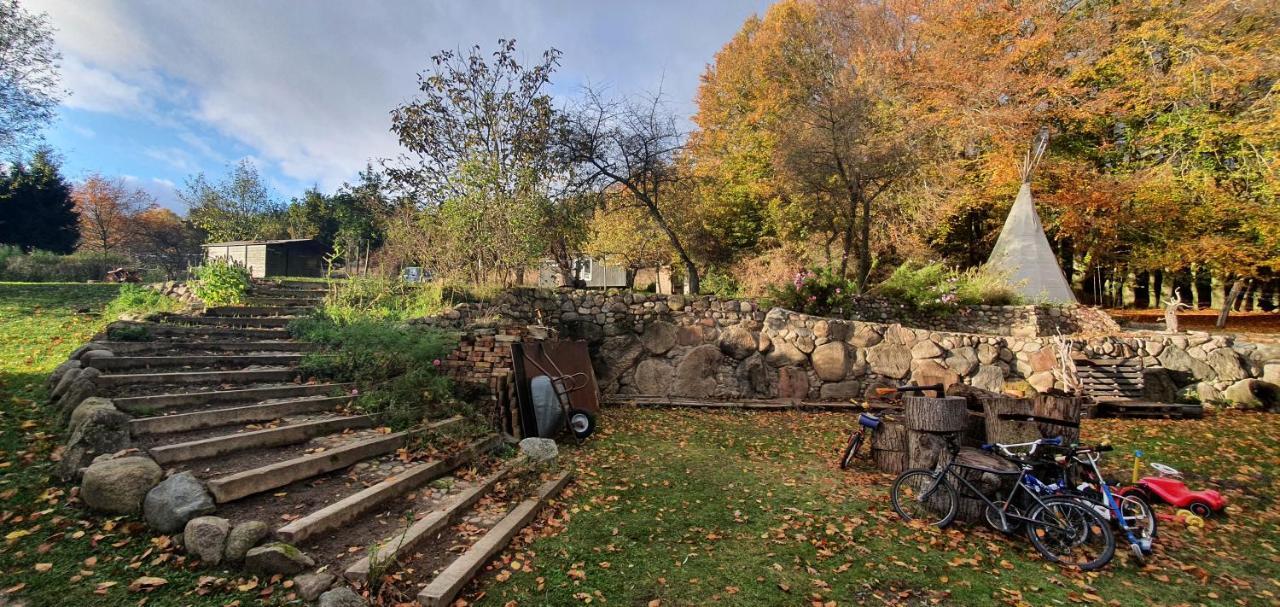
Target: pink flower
(436,362)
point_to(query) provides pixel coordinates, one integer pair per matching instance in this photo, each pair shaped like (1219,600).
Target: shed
(296,257)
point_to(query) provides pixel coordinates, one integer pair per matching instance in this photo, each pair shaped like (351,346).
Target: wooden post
(889,446)
(1001,428)
(1067,409)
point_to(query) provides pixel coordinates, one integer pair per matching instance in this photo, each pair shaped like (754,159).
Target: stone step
(300,285)
(229,321)
(248,414)
(287,302)
(187,332)
(353,506)
(448,583)
(257,439)
(153,362)
(151,347)
(272,476)
(142,405)
(258,310)
(197,377)
(402,543)
(306,294)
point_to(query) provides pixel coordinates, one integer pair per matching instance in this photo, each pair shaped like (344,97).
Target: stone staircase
(268,471)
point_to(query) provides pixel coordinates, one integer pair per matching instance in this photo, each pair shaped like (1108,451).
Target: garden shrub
(220,282)
(43,266)
(936,288)
(397,365)
(382,298)
(721,284)
(821,292)
(141,300)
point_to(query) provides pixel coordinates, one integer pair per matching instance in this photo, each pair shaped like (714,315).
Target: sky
(163,89)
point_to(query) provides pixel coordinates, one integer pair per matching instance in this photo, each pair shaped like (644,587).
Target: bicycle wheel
(911,502)
(850,450)
(1139,518)
(1069,532)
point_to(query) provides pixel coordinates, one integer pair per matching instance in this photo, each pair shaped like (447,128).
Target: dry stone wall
(705,347)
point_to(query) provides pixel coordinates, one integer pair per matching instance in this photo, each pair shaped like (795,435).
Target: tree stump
(1009,430)
(893,462)
(926,414)
(925,449)
(889,446)
(1061,407)
(976,396)
(975,431)
(991,485)
(890,436)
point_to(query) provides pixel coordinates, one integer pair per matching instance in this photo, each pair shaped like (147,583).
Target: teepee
(1022,252)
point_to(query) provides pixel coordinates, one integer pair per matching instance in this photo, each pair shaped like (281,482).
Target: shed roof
(248,242)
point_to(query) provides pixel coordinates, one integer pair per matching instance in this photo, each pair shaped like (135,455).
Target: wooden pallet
(1111,379)
(1137,408)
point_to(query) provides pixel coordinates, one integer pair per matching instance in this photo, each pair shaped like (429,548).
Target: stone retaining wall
(704,347)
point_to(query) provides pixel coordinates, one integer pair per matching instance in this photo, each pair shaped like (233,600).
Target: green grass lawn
(670,507)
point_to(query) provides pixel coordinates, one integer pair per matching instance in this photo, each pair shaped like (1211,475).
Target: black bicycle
(1062,528)
(868,423)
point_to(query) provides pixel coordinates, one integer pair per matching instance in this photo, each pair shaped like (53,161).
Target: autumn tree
(107,208)
(29,81)
(632,145)
(163,240)
(626,236)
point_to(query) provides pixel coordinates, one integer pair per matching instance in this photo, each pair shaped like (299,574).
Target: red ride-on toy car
(1169,488)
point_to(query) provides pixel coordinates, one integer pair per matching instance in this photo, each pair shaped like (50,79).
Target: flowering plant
(819,291)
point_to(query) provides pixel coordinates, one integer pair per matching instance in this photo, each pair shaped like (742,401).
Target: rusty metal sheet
(567,358)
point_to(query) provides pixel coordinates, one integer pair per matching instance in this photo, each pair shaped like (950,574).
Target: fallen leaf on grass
(147,584)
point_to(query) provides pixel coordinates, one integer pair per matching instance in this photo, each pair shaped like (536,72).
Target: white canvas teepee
(1022,252)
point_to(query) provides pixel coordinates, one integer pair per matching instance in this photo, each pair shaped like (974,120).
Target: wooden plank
(442,590)
(351,507)
(400,544)
(258,439)
(242,484)
(146,404)
(198,420)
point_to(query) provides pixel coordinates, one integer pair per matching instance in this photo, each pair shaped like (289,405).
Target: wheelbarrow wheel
(582,423)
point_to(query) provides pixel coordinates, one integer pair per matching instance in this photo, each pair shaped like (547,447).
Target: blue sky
(162,89)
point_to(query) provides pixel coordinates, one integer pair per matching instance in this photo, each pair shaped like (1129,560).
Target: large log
(1001,429)
(993,486)
(925,449)
(927,414)
(973,394)
(893,462)
(1068,409)
(975,431)
(890,436)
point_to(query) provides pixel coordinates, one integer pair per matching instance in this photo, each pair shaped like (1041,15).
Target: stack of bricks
(482,353)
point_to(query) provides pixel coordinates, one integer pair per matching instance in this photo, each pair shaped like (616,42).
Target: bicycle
(1061,528)
(868,423)
(1131,514)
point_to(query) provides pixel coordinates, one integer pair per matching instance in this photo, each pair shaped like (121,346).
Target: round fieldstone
(119,485)
(342,597)
(206,537)
(659,337)
(175,501)
(243,537)
(278,557)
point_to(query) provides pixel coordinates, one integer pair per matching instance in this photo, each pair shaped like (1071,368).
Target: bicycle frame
(948,471)
(1091,459)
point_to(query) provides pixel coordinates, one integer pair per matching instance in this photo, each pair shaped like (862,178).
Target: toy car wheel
(582,423)
(1200,509)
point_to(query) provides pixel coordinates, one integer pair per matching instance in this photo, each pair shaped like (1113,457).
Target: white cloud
(309,86)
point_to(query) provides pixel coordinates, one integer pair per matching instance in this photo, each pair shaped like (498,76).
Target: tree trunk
(1246,301)
(1009,430)
(1236,288)
(890,436)
(1065,408)
(864,247)
(1204,288)
(948,414)
(1157,286)
(1142,290)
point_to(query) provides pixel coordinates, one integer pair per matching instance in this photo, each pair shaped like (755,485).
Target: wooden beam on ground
(442,590)
(748,404)
(353,506)
(400,544)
